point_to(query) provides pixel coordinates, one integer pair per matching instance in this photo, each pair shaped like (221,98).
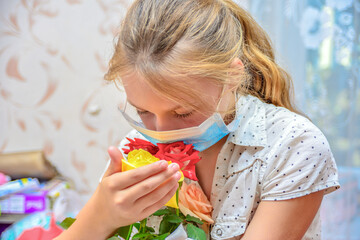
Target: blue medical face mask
(201,137)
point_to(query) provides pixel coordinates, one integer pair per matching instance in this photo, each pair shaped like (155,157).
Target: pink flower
(193,201)
(182,154)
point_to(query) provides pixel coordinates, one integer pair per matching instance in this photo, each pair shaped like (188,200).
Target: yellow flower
(138,158)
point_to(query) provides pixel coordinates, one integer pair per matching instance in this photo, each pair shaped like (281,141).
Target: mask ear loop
(126,108)
(221,98)
(122,107)
(228,119)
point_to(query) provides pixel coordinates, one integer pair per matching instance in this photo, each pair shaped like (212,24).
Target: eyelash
(141,112)
(185,115)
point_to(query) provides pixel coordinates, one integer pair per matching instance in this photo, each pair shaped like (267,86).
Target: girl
(203,71)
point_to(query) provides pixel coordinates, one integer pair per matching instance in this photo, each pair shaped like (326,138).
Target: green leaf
(165,226)
(141,235)
(161,212)
(161,237)
(174,227)
(182,215)
(137,225)
(113,238)
(195,232)
(193,219)
(149,229)
(173,218)
(123,231)
(67,222)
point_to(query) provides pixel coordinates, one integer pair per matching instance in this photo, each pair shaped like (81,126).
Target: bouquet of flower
(187,214)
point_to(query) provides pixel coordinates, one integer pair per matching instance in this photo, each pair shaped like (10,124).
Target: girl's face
(161,114)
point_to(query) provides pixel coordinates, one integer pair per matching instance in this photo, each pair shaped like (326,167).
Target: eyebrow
(170,110)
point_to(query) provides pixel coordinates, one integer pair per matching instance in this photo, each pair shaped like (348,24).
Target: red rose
(182,154)
(138,143)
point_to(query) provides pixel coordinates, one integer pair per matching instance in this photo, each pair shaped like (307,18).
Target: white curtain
(318,42)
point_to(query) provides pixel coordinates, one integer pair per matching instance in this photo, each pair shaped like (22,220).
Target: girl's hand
(123,198)
(127,197)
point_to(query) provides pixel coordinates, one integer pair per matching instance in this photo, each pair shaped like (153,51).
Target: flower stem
(129,232)
(142,228)
(177,199)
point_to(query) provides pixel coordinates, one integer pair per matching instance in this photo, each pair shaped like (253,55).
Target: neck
(206,167)
(214,148)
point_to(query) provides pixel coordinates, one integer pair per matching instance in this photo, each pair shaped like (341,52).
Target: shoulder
(264,124)
(295,155)
(272,128)
(291,133)
(299,160)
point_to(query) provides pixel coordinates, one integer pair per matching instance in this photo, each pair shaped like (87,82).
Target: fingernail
(163,163)
(177,175)
(174,166)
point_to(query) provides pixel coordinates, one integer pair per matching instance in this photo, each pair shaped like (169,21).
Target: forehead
(180,91)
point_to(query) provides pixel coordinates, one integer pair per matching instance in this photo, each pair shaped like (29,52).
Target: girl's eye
(183,115)
(177,115)
(141,112)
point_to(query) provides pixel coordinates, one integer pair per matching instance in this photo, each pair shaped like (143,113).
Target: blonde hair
(173,42)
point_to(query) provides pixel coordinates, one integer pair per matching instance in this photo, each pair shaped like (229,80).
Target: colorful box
(23,203)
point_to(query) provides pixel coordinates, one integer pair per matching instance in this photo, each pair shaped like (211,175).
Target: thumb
(115,161)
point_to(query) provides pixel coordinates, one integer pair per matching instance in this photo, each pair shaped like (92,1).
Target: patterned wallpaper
(53,55)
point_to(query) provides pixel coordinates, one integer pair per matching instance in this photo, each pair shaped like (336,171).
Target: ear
(237,63)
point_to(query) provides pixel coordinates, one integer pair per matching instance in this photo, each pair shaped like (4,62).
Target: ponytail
(268,81)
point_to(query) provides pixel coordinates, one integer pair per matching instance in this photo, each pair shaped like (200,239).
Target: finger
(159,204)
(154,196)
(150,184)
(131,177)
(115,161)
(141,182)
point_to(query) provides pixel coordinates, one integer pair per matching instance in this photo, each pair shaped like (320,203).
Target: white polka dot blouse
(273,155)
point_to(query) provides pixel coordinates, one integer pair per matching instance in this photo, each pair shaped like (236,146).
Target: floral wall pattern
(53,56)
